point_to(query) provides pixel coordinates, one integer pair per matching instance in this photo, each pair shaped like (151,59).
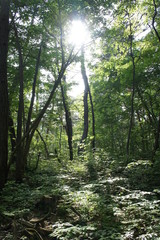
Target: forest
(79,119)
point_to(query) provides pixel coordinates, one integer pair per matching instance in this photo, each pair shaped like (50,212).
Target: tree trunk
(150,113)
(4,34)
(153,20)
(156,144)
(45,145)
(68,118)
(93,120)
(141,132)
(133,93)
(36,122)
(19,155)
(33,89)
(27,140)
(13,139)
(85,99)
(85,102)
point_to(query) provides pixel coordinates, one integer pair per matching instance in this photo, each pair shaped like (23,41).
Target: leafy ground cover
(85,200)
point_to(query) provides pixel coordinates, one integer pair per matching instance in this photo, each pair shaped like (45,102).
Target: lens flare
(78,33)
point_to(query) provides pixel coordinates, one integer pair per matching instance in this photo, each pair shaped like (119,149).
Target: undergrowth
(98,199)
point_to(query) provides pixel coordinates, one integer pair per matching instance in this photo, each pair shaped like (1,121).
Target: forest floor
(93,200)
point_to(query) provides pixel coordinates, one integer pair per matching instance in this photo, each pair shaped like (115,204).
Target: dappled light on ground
(58,204)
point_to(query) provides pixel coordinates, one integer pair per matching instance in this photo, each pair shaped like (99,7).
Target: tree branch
(153,20)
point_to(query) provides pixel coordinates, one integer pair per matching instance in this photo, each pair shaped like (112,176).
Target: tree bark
(12,138)
(156,143)
(33,90)
(93,120)
(4,35)
(153,20)
(150,114)
(27,140)
(85,102)
(36,122)
(141,132)
(19,155)
(68,118)
(133,92)
(45,145)
(24,144)
(85,99)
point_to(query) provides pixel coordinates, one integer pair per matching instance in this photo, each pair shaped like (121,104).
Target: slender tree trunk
(42,112)
(36,122)
(19,155)
(4,34)
(85,99)
(150,114)
(142,132)
(68,118)
(28,123)
(152,120)
(133,93)
(12,138)
(45,145)
(153,20)
(157,136)
(60,135)
(85,124)
(33,90)
(12,133)
(34,125)
(156,143)
(37,162)
(93,120)
(85,102)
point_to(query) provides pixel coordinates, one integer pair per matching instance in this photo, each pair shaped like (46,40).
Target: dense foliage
(85,167)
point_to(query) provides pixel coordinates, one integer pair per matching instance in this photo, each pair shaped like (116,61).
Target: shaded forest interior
(84,166)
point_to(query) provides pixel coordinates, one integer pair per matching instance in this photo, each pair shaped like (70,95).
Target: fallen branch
(40,220)
(32,228)
(76,212)
(33,232)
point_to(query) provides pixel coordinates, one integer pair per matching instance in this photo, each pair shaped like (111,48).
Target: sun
(78,33)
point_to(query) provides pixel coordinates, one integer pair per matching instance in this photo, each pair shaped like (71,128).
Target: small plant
(91,167)
(139,173)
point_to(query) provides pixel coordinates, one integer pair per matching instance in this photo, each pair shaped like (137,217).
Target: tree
(4,35)
(157,135)
(68,118)
(125,79)
(85,101)
(26,127)
(133,87)
(86,108)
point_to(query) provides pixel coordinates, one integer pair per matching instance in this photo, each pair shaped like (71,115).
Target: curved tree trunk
(28,123)
(85,100)
(4,34)
(153,20)
(36,122)
(68,119)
